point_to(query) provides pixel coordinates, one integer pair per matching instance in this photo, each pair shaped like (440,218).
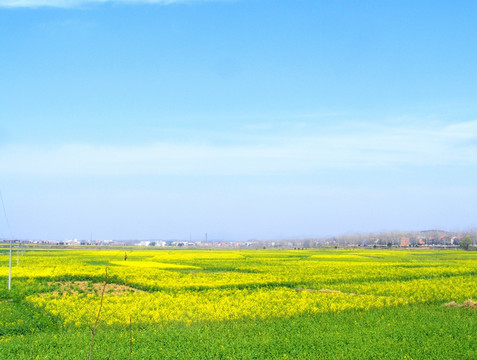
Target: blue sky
(243,119)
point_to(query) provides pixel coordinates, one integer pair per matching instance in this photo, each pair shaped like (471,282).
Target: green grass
(20,319)
(413,332)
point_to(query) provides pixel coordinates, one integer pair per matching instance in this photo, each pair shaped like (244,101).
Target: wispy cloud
(76,3)
(370,147)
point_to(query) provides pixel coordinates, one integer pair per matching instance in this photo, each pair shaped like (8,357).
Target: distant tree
(465,243)
(152,243)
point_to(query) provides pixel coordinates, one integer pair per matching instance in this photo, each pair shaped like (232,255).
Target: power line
(6,217)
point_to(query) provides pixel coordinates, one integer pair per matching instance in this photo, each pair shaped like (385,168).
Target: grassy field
(251,304)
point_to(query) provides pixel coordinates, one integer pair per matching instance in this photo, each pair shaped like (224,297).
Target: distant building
(405,241)
(445,239)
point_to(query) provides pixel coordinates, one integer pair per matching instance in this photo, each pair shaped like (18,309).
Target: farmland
(250,304)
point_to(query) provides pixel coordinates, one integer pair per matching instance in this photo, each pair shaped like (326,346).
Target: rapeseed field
(239,304)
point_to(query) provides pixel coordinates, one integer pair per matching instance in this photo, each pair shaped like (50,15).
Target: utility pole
(10,267)
(11,237)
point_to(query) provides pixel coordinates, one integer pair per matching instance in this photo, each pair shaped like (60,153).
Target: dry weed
(86,287)
(468,304)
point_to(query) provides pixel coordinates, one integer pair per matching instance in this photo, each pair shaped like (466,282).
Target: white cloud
(160,158)
(370,147)
(75,3)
